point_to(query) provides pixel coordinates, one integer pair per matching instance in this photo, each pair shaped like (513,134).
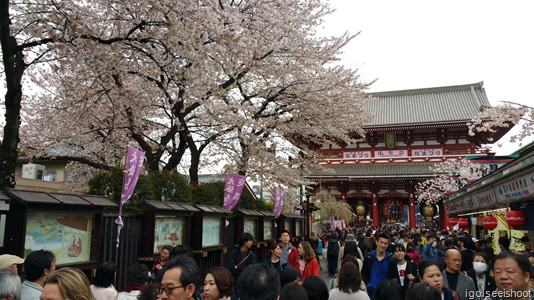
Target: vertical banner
(278,201)
(233,188)
(134,163)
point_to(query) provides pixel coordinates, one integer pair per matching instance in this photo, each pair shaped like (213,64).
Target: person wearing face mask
(484,283)
(430,251)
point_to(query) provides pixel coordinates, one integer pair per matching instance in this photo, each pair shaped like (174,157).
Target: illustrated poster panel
(249,225)
(168,231)
(298,228)
(211,231)
(66,234)
(267,229)
(287,225)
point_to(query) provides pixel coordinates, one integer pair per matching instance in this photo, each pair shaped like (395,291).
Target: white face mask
(479,267)
(434,244)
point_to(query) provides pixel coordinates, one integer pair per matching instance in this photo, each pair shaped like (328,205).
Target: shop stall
(69,225)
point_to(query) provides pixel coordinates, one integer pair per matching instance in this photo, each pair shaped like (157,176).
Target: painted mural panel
(168,231)
(268,229)
(211,231)
(66,234)
(249,225)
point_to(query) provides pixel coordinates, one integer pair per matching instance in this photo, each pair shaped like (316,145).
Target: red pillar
(376,215)
(411,211)
(444,216)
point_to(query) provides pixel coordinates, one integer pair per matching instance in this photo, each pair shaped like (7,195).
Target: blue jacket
(374,271)
(430,253)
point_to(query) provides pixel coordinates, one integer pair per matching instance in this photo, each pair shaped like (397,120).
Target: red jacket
(293,258)
(311,269)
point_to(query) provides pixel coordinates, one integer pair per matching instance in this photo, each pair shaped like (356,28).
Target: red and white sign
(462,222)
(453,221)
(516,218)
(490,222)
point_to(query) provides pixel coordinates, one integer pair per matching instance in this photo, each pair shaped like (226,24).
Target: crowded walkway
(355,263)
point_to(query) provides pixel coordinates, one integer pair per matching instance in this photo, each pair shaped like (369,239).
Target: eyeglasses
(168,290)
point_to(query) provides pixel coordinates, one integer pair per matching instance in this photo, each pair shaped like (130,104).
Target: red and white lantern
(516,218)
(453,221)
(490,222)
(462,222)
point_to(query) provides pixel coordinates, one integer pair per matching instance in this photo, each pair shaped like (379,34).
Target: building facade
(412,130)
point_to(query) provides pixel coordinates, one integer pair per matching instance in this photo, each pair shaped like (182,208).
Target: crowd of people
(362,264)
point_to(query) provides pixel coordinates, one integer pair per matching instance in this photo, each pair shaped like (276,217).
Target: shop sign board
(484,199)
(460,205)
(516,189)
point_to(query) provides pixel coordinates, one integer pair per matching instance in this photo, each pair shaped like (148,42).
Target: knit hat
(350,237)
(6,260)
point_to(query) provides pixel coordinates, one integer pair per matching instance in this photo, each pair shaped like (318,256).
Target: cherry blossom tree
(451,175)
(26,38)
(506,115)
(233,80)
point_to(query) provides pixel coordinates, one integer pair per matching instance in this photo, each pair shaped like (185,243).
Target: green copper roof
(426,106)
(373,171)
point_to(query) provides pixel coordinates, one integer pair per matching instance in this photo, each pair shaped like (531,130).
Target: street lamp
(307,208)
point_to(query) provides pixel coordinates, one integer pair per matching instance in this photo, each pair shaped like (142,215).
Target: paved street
(324,272)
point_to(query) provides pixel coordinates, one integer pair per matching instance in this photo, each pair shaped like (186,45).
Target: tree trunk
(14,68)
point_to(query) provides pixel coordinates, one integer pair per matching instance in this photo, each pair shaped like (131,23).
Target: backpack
(333,248)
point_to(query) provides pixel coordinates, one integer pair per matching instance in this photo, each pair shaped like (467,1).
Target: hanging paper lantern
(361,210)
(428,211)
(393,210)
(462,222)
(490,222)
(515,218)
(453,221)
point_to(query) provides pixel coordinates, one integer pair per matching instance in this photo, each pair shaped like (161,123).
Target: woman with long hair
(65,284)
(349,287)
(102,287)
(402,269)
(351,248)
(309,264)
(218,284)
(273,258)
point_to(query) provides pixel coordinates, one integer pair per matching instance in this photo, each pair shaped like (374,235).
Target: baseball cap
(6,260)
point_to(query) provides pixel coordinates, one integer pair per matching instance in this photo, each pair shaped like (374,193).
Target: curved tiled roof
(429,105)
(373,171)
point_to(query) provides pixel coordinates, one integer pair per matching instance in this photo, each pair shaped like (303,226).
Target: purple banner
(232,189)
(134,163)
(278,201)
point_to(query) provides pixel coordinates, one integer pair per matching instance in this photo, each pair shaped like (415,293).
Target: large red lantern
(453,221)
(462,222)
(490,222)
(393,210)
(515,218)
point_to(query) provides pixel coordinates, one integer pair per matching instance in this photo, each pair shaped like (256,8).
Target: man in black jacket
(240,258)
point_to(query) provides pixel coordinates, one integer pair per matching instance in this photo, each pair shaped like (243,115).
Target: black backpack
(333,248)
